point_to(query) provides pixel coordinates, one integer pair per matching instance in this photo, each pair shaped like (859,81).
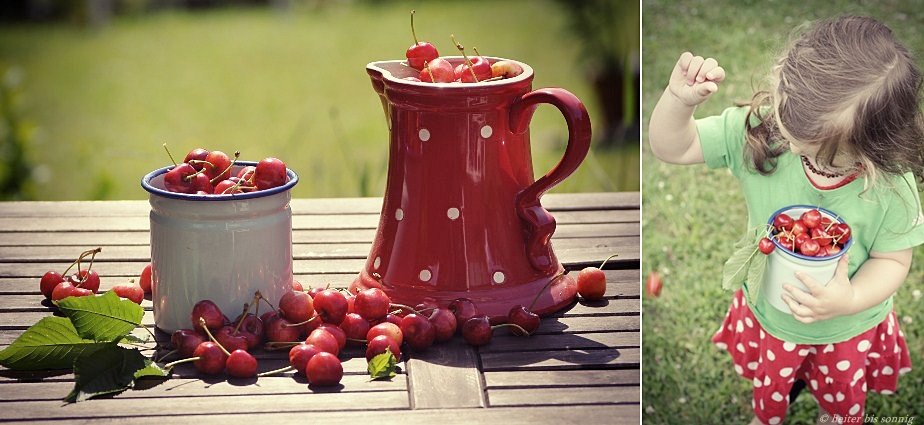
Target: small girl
(840,126)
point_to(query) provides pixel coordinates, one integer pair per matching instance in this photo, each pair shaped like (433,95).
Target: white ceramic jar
(218,247)
(783,263)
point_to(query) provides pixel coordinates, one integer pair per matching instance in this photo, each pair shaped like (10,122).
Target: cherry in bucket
(420,52)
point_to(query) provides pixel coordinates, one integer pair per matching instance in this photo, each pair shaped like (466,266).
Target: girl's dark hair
(849,87)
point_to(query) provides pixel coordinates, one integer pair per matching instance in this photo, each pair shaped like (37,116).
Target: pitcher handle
(539,224)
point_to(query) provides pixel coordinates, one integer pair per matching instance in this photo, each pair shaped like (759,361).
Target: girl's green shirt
(884,218)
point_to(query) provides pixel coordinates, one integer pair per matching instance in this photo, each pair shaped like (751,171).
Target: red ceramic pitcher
(461,216)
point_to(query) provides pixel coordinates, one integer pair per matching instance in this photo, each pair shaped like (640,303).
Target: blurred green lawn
(692,216)
(269,84)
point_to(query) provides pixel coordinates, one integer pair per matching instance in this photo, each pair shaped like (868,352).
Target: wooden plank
(565,396)
(561,378)
(445,376)
(503,342)
(563,359)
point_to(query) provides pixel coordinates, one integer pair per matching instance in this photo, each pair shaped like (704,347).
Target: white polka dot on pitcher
(425,275)
(499,277)
(399,214)
(423,134)
(486,131)
(452,213)
(377,262)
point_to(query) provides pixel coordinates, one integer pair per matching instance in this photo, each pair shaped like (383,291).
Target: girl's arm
(672,131)
(877,279)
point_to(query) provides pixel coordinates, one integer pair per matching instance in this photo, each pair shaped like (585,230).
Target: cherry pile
(811,234)
(85,281)
(425,58)
(316,325)
(204,172)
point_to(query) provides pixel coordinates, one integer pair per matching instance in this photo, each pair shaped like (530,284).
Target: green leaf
(51,343)
(756,276)
(102,318)
(735,270)
(105,372)
(151,369)
(383,365)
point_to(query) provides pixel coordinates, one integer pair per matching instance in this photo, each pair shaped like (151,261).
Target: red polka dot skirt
(838,375)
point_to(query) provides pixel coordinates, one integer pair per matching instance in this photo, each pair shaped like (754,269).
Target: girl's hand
(694,79)
(824,302)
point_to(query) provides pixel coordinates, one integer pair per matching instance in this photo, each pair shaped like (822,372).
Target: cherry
(388,329)
(783,221)
(811,218)
(270,172)
(477,330)
(336,331)
(591,283)
(786,240)
(300,354)
(324,369)
(324,340)
(810,247)
(145,281)
(87,279)
(48,283)
(355,327)
(296,306)
(245,174)
(281,330)
(218,166)
(765,245)
(297,286)
(67,289)
(506,69)
(196,157)
(241,364)
(444,324)
(438,70)
(180,178)
(798,227)
(471,70)
(525,320)
(232,185)
(463,309)
(799,240)
(130,292)
(331,305)
(209,311)
(186,340)
(842,232)
(229,337)
(379,344)
(420,52)
(211,358)
(372,304)
(251,327)
(418,332)
(822,236)
(653,283)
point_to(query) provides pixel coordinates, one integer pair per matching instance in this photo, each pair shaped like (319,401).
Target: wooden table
(582,366)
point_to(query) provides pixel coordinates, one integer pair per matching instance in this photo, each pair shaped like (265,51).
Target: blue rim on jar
(824,212)
(146,183)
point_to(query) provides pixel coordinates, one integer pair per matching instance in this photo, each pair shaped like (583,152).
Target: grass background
(103,101)
(692,216)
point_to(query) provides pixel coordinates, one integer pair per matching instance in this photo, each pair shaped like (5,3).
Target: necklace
(829,175)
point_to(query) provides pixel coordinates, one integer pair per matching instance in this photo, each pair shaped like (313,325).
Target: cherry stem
(413,33)
(169,353)
(82,254)
(361,341)
(257,296)
(429,71)
(237,154)
(292,325)
(279,345)
(471,67)
(400,307)
(170,155)
(514,325)
(275,372)
(607,259)
(212,337)
(546,286)
(186,360)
